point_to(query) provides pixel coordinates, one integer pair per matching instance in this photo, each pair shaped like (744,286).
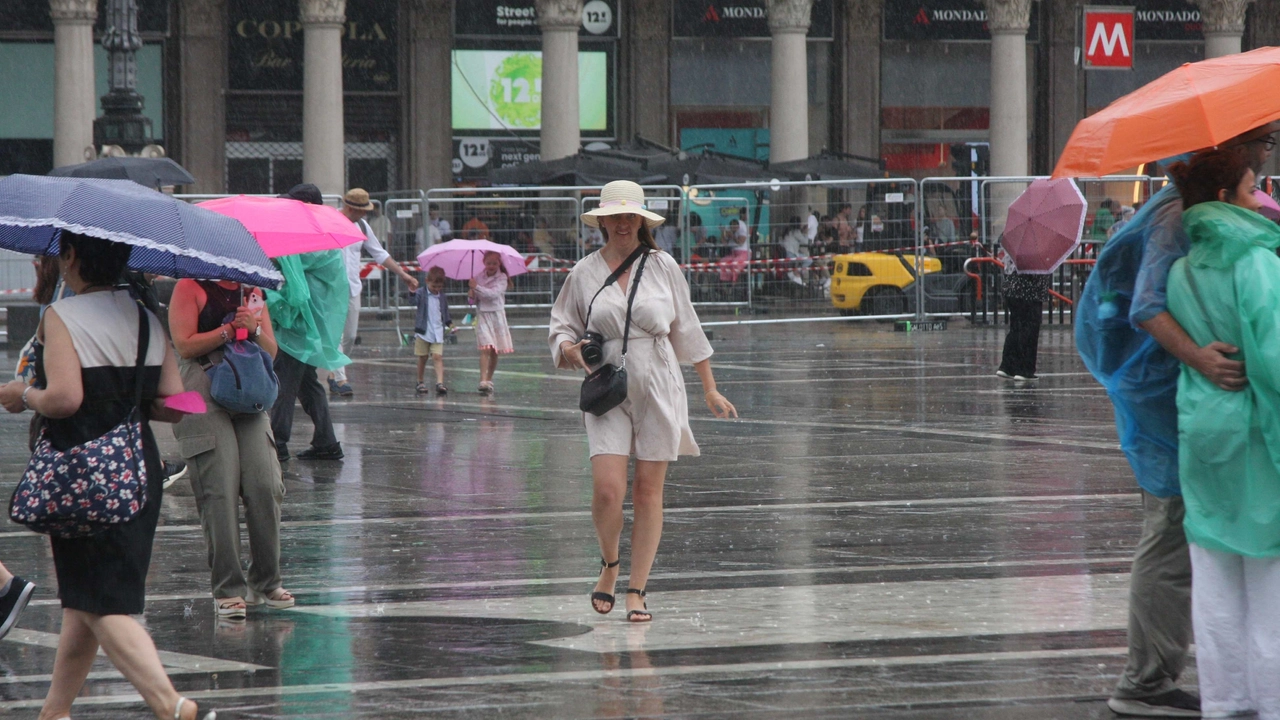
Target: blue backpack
(245,381)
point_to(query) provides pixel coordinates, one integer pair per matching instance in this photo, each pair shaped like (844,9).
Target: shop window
(285,174)
(370,174)
(249,176)
(32,157)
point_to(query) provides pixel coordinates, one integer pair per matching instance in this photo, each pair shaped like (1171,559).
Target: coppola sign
(265,47)
(944,20)
(519,18)
(740,19)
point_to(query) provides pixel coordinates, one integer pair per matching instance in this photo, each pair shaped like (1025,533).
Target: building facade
(254,95)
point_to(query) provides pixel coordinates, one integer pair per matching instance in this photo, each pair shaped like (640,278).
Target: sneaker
(333,452)
(173,472)
(1025,378)
(13,603)
(282,453)
(1175,703)
(345,390)
(333,386)
(1003,374)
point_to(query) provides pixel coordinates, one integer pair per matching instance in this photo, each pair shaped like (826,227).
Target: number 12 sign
(1108,38)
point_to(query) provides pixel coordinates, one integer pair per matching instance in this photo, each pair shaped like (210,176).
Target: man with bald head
(1134,347)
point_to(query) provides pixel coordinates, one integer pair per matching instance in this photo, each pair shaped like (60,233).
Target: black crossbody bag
(606,388)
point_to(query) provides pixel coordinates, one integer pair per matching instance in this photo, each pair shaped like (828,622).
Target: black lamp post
(122,122)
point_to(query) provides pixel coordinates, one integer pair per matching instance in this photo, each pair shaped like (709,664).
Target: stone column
(1064,75)
(430,115)
(648,35)
(560,20)
(203,49)
(1009,21)
(74,104)
(861,76)
(789,80)
(323,163)
(1223,25)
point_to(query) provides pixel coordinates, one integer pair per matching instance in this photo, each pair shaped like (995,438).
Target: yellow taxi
(871,283)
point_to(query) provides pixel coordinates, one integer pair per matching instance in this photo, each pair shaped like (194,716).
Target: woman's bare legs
(646,528)
(609,488)
(5,575)
(77,647)
(609,478)
(129,648)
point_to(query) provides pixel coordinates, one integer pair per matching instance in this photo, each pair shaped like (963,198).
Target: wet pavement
(889,531)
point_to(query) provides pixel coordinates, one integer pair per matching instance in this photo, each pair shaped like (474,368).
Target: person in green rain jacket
(1228,289)
(308,313)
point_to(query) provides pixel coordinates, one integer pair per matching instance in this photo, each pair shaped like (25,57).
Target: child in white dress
(493,337)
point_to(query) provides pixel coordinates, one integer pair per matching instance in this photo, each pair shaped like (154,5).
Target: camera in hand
(593,351)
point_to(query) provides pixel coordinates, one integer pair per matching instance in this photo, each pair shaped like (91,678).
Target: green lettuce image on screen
(516,90)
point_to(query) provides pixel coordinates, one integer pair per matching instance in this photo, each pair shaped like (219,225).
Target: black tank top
(219,303)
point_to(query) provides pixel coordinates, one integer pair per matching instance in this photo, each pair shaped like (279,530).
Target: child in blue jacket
(429,327)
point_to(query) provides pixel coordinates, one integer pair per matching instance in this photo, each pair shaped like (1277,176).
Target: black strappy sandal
(632,614)
(603,596)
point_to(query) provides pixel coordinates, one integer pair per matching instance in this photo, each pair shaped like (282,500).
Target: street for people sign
(1108,38)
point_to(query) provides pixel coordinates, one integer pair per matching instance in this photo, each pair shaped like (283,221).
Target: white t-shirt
(435,324)
(351,254)
(811,229)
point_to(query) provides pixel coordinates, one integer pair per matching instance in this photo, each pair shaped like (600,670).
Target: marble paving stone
(889,531)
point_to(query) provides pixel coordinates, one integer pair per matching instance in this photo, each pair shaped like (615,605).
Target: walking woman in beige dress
(653,422)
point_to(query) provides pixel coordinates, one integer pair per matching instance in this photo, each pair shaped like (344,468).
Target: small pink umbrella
(288,227)
(464,259)
(1044,225)
(1270,208)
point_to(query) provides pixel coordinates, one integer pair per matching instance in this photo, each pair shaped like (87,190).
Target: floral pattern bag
(88,488)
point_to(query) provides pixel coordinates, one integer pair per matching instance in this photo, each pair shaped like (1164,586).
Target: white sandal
(231,608)
(177,711)
(256,598)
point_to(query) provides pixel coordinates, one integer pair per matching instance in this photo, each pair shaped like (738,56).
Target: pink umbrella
(464,259)
(288,227)
(1044,225)
(1270,208)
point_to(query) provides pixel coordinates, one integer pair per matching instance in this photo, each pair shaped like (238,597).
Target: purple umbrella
(1044,226)
(464,259)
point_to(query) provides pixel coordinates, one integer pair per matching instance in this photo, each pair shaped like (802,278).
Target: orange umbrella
(1196,106)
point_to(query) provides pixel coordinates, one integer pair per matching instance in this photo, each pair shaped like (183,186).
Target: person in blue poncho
(1130,342)
(1228,287)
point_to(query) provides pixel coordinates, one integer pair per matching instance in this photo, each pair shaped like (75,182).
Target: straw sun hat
(622,196)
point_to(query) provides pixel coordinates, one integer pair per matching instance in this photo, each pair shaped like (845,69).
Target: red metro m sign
(1108,38)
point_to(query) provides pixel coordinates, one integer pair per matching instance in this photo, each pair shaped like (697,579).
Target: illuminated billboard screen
(501,90)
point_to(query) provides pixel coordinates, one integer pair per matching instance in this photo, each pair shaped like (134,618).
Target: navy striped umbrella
(169,237)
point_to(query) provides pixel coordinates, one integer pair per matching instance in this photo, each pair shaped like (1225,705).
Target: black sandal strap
(607,565)
(634,591)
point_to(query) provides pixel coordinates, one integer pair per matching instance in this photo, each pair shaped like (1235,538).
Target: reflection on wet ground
(889,531)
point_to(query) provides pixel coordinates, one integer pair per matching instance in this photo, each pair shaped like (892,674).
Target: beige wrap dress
(653,422)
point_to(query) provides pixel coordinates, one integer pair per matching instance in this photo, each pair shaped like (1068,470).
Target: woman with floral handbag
(97,340)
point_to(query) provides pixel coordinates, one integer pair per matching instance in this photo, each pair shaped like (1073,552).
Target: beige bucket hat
(358,199)
(622,196)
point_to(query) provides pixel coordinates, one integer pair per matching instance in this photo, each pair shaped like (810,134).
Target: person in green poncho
(308,314)
(1228,289)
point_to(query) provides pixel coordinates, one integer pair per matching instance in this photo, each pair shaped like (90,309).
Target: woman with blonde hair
(631,290)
